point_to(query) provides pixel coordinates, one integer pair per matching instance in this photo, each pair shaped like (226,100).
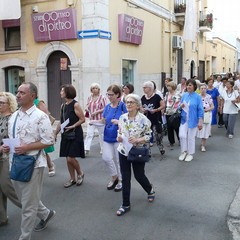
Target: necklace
(229,95)
(113,117)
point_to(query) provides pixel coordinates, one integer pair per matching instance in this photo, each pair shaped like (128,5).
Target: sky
(226,15)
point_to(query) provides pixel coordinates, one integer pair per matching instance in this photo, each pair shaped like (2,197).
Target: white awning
(10,9)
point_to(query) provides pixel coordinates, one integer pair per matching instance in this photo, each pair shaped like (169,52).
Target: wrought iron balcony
(180,6)
(180,9)
(206,22)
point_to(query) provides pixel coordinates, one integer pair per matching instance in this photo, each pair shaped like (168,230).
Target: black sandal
(122,210)
(151,195)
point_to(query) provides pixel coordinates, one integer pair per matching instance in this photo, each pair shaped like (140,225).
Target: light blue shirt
(195,109)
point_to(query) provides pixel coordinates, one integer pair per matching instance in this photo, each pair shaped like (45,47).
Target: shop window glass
(14,76)
(12,38)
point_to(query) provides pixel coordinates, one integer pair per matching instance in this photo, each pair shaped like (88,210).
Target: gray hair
(94,85)
(203,84)
(148,84)
(136,98)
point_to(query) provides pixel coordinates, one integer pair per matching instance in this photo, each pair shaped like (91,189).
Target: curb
(233,216)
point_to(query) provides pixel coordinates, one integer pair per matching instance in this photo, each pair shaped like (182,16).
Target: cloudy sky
(226,16)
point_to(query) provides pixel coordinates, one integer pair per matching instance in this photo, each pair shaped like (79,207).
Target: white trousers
(187,138)
(90,135)
(111,158)
(29,194)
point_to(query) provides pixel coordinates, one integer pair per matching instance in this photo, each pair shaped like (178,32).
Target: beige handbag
(206,117)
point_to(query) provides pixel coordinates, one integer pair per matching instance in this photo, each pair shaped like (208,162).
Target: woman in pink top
(95,105)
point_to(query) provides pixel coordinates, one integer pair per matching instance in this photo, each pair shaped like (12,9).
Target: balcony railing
(206,21)
(180,6)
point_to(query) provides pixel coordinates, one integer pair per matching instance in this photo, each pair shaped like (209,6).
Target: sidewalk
(233,218)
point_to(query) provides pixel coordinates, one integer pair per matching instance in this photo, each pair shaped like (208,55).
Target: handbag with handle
(138,154)
(175,119)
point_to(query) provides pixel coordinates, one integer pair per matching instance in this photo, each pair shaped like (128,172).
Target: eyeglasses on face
(130,102)
(2,103)
(110,94)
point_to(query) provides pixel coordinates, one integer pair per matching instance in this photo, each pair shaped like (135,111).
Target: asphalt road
(192,198)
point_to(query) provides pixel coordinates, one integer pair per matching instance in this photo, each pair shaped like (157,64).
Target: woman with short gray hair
(96,102)
(152,105)
(137,129)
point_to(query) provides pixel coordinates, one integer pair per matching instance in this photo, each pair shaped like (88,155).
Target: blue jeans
(139,174)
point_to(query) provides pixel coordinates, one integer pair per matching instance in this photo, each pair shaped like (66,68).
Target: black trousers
(139,174)
(171,129)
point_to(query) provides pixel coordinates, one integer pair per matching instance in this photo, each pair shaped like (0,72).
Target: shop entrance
(58,73)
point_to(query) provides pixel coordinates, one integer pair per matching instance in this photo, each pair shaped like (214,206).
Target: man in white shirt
(33,128)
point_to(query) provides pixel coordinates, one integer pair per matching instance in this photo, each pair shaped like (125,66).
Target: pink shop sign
(130,29)
(55,25)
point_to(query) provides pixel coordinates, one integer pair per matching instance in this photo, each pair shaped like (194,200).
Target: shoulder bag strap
(14,125)
(14,129)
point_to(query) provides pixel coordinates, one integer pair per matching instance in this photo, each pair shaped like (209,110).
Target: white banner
(190,26)
(10,9)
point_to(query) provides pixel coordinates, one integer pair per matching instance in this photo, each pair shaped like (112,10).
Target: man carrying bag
(33,129)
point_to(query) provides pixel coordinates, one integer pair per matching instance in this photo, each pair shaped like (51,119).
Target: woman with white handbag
(208,106)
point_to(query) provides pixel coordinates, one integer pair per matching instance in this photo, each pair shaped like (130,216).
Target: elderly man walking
(33,128)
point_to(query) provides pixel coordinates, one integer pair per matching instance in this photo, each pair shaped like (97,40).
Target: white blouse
(229,107)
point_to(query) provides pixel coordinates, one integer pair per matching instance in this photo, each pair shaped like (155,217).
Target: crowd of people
(123,121)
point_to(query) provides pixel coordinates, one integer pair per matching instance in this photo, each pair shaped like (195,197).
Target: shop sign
(130,29)
(55,25)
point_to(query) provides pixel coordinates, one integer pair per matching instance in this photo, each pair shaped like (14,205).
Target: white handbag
(206,117)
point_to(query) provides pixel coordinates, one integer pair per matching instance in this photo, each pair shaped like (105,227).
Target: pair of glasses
(110,94)
(2,103)
(130,102)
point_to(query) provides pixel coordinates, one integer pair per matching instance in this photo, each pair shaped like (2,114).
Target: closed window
(12,38)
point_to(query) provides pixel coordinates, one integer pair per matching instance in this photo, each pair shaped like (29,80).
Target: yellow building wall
(34,48)
(152,55)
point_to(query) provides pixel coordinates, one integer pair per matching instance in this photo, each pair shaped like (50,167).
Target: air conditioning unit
(177,42)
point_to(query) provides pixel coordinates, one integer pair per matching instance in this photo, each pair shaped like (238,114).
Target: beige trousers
(29,194)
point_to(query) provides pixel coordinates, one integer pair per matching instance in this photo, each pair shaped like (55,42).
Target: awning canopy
(10,9)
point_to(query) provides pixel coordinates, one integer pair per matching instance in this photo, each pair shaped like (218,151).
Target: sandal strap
(122,210)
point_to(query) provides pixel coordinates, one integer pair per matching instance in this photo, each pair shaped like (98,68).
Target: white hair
(135,97)
(148,84)
(94,85)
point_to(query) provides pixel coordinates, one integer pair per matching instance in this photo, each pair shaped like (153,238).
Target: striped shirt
(94,105)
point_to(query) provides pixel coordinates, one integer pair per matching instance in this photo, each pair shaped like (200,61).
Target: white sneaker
(118,187)
(52,170)
(86,152)
(203,149)
(182,156)
(230,136)
(189,158)
(151,144)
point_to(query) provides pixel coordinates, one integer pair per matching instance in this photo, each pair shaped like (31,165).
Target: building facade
(56,42)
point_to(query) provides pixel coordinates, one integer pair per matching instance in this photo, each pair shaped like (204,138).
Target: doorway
(58,74)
